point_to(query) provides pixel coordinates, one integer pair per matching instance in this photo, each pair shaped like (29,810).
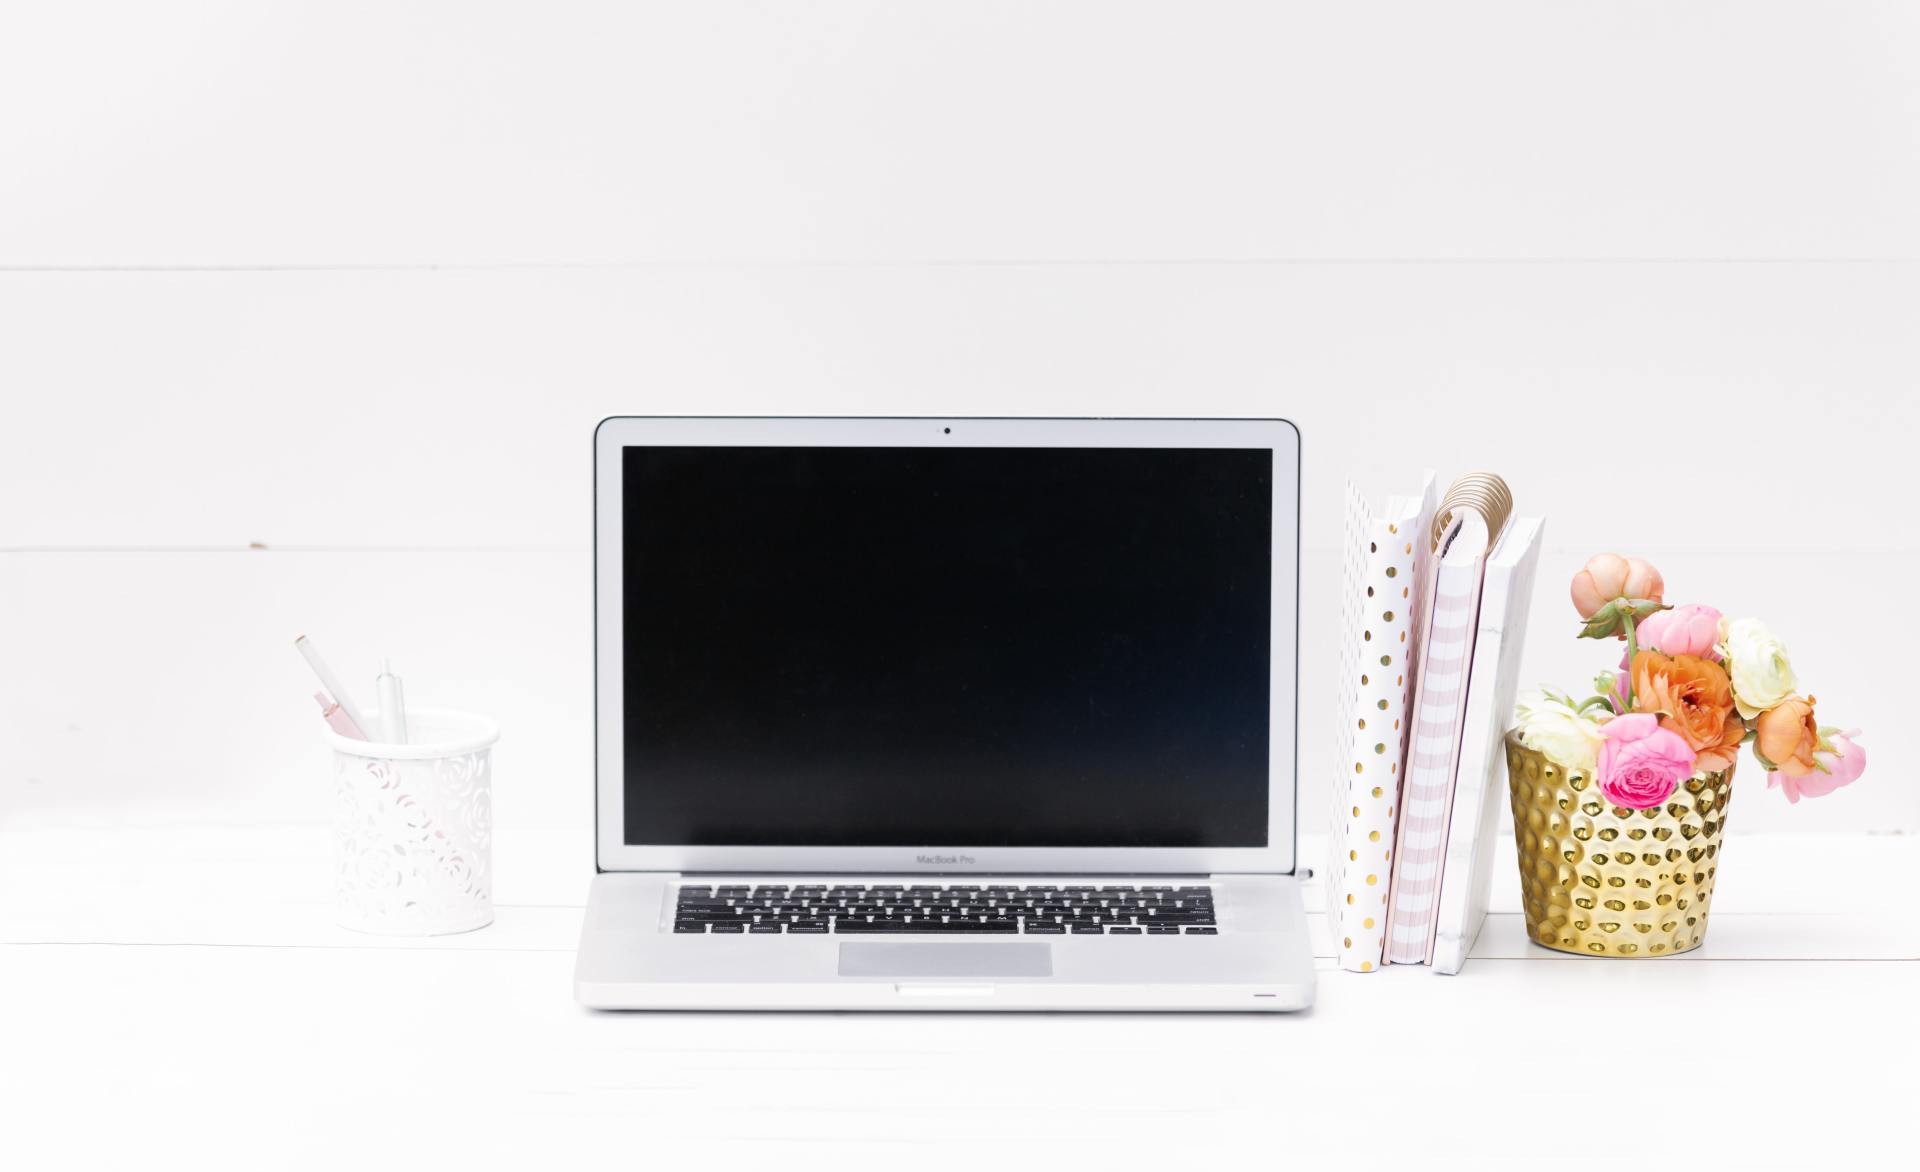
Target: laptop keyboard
(934,909)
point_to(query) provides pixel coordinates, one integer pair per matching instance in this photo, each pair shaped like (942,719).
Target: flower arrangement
(1692,687)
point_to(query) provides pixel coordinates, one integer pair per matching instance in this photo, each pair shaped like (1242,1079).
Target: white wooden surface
(587,131)
(184,991)
(412,449)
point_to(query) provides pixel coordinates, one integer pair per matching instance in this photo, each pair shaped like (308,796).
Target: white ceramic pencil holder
(413,827)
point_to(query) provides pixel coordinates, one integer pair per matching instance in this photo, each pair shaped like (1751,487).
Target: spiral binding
(1480,492)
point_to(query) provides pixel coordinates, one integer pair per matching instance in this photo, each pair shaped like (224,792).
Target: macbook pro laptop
(956,714)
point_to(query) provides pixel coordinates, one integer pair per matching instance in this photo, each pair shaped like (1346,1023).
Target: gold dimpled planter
(1602,880)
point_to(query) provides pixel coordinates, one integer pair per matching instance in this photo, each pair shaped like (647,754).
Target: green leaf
(1605,623)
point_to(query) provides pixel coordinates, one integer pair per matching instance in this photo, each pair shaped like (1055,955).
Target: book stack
(1434,615)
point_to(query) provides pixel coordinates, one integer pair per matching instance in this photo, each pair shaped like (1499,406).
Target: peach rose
(1844,765)
(1608,576)
(1694,698)
(1787,737)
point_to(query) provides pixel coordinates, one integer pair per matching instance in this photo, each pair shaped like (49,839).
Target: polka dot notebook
(1383,589)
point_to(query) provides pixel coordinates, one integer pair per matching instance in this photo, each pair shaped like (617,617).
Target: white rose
(1550,725)
(1757,661)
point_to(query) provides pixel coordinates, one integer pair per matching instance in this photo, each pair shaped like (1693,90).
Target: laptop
(946,714)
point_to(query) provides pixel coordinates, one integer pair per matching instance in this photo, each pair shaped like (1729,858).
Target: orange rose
(1693,698)
(1788,736)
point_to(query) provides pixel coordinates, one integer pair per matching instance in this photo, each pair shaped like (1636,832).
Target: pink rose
(1641,764)
(1684,630)
(1843,767)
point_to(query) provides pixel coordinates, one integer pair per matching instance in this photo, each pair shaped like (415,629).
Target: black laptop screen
(1025,647)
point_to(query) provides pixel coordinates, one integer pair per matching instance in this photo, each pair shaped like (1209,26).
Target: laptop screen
(1018,647)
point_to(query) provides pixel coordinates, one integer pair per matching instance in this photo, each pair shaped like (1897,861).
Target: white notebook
(1381,606)
(1479,793)
(1471,518)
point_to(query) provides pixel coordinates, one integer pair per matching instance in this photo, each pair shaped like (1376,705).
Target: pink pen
(337,718)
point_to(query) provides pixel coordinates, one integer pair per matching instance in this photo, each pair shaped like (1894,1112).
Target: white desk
(188,997)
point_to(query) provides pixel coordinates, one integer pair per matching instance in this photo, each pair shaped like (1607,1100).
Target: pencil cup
(413,827)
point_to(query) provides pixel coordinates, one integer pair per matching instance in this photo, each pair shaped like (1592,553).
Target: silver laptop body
(946,714)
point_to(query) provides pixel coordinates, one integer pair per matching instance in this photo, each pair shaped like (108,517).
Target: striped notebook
(1470,518)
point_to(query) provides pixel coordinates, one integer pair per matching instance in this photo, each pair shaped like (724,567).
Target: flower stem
(1633,649)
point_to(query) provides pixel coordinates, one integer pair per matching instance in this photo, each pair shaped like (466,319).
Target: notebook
(1471,518)
(1466,871)
(1382,602)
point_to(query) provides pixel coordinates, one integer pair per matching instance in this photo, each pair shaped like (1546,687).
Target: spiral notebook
(1382,603)
(1471,519)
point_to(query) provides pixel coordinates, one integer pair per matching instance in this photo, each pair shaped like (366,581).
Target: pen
(331,682)
(393,708)
(337,718)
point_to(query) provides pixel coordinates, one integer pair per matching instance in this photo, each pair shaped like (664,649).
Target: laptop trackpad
(972,959)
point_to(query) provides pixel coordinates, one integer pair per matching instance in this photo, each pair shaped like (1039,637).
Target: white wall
(354,282)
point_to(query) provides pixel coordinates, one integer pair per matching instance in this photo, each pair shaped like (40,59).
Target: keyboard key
(1121,931)
(1203,931)
(1162,930)
(1085,930)
(736,926)
(1045,928)
(685,926)
(765,928)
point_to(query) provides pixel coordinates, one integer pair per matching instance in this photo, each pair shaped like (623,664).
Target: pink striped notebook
(1470,518)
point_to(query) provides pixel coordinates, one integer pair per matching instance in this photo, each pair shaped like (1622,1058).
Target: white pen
(393,707)
(330,681)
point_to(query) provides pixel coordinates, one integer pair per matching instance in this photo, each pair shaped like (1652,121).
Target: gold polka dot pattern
(1371,735)
(1600,880)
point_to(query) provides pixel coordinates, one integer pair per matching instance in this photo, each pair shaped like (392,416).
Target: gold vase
(1602,880)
